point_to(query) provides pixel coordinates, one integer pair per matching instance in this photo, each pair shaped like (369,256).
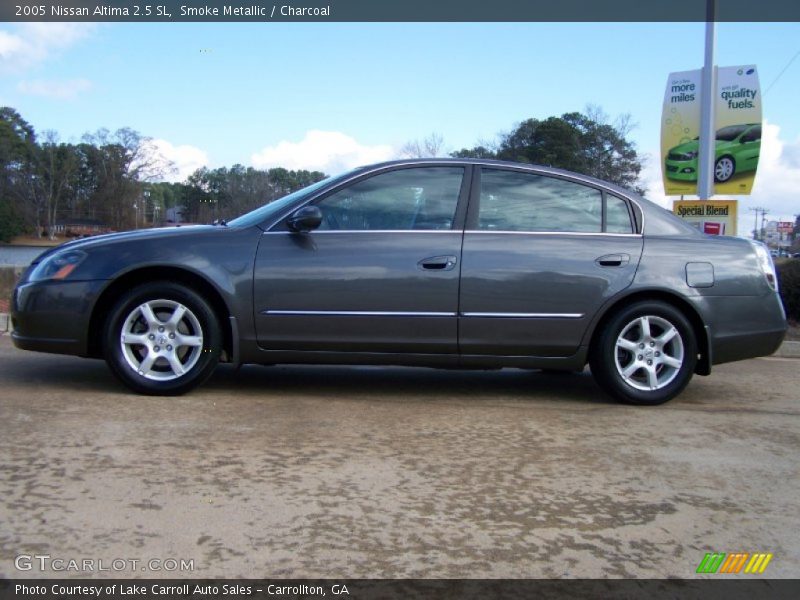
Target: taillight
(766,264)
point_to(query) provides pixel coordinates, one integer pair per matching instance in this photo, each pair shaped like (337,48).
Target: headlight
(766,264)
(58,265)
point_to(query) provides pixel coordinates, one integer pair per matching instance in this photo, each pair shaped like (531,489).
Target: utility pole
(756,210)
(708,134)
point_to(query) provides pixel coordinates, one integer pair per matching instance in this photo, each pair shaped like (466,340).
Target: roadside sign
(715,217)
(737,126)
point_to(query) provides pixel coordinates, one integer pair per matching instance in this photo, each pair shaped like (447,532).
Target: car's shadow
(45,373)
(405,383)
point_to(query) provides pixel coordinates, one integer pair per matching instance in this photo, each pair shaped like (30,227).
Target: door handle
(613,260)
(438,263)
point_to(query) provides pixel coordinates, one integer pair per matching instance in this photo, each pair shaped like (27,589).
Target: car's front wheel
(646,354)
(162,339)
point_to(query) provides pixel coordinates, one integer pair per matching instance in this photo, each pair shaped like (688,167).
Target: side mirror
(305,219)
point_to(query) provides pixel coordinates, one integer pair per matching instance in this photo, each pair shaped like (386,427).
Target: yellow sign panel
(737,125)
(715,217)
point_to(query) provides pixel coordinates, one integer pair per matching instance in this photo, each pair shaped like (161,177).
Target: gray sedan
(441,263)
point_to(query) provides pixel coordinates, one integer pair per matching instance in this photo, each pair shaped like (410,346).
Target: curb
(787,349)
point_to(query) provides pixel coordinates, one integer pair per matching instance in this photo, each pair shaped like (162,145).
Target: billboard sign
(680,128)
(785,226)
(715,217)
(737,124)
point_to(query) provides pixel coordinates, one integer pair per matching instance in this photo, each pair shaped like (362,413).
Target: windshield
(272,209)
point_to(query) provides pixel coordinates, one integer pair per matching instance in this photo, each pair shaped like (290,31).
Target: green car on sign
(737,150)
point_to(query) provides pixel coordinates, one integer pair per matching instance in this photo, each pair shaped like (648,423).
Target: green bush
(789,285)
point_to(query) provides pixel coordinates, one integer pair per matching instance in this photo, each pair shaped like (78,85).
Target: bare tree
(429,147)
(58,164)
(123,161)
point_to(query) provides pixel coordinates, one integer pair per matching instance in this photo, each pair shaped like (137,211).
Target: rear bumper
(743,327)
(53,316)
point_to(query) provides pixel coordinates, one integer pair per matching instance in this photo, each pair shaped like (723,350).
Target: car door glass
(618,219)
(514,201)
(754,135)
(406,199)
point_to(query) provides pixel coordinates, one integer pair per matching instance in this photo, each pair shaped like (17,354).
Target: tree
(479,151)
(429,147)
(584,143)
(123,162)
(17,171)
(226,193)
(57,164)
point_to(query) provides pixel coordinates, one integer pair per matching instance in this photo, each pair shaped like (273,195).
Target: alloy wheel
(161,340)
(649,353)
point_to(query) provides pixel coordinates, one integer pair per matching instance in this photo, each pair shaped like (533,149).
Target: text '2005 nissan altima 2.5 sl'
(440,263)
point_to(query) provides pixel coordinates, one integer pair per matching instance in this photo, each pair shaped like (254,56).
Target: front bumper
(674,170)
(53,316)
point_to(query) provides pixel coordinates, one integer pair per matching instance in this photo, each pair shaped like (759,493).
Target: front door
(380,274)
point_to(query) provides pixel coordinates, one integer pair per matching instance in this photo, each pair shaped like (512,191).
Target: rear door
(541,255)
(380,274)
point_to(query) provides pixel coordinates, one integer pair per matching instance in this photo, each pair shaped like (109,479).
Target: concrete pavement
(371,472)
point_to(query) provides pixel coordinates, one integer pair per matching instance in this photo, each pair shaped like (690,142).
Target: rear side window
(515,201)
(754,135)
(618,218)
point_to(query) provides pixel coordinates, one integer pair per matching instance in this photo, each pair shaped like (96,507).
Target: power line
(774,81)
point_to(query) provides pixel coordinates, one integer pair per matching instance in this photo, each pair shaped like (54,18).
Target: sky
(331,96)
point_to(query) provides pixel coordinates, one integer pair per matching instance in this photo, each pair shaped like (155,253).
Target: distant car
(440,263)
(737,151)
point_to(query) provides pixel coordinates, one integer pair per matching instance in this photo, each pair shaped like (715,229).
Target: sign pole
(705,183)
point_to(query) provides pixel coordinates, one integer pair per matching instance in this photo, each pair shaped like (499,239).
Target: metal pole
(755,230)
(705,182)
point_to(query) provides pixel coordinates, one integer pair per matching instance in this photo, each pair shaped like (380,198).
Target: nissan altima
(439,263)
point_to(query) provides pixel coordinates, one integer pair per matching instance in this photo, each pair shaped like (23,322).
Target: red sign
(713,228)
(785,227)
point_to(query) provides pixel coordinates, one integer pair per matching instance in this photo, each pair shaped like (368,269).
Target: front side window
(406,199)
(514,201)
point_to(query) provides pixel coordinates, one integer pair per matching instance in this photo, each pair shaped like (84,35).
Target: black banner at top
(397,10)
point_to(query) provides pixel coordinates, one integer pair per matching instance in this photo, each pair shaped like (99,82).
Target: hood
(691,146)
(143,234)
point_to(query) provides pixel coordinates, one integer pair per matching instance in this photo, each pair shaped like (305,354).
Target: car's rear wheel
(162,339)
(646,353)
(724,169)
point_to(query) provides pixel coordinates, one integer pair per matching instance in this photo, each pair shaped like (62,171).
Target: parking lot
(377,472)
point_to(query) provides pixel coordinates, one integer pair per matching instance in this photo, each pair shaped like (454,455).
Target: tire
(143,335)
(724,169)
(619,357)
